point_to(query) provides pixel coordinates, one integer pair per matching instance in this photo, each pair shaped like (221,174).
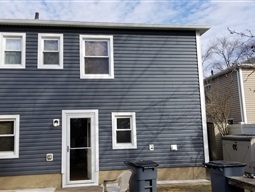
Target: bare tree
(226,52)
(218,105)
(248,33)
(249,38)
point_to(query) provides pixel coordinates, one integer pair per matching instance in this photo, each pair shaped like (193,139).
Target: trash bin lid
(240,137)
(142,163)
(222,163)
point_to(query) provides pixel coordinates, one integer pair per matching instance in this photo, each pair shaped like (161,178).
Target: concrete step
(80,189)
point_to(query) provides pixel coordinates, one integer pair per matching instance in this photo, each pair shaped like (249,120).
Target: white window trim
(15,153)
(23,51)
(82,55)
(133,144)
(41,37)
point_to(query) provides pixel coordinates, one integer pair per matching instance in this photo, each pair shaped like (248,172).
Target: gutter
(241,95)
(80,24)
(230,69)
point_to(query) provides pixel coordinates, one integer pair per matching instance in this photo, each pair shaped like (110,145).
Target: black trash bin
(220,170)
(144,176)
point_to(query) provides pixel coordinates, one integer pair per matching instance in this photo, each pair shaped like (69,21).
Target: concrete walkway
(80,189)
(31,190)
(99,189)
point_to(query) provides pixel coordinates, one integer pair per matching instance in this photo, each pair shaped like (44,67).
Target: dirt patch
(185,188)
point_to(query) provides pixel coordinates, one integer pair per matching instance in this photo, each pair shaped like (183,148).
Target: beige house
(239,82)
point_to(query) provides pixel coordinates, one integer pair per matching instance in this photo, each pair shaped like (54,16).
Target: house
(239,82)
(79,99)
(233,91)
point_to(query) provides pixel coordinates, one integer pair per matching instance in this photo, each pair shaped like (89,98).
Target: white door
(79,148)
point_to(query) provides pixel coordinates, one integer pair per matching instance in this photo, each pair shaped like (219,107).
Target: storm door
(81,161)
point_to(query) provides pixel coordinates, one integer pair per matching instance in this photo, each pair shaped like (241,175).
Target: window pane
(96,66)
(7,143)
(51,58)
(12,57)
(6,127)
(50,45)
(123,123)
(13,44)
(123,136)
(96,48)
(80,132)
(80,166)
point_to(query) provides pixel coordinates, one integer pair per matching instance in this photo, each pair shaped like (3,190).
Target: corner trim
(202,97)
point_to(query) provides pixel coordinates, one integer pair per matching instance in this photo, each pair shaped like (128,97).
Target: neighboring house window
(13,50)
(9,136)
(124,131)
(50,51)
(230,121)
(96,57)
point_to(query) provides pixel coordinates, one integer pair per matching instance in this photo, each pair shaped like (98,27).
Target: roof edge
(230,69)
(54,23)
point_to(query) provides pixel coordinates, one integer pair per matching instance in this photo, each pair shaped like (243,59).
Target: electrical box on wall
(151,147)
(56,122)
(49,157)
(174,148)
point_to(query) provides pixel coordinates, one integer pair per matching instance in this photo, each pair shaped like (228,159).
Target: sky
(238,15)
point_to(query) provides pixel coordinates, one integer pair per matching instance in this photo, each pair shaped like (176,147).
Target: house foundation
(54,180)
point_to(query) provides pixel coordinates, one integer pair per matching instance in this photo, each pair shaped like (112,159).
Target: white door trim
(94,145)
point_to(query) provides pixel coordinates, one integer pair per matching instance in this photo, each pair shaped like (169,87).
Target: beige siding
(222,85)
(249,92)
(215,145)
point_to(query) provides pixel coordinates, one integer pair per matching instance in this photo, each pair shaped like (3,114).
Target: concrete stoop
(73,189)
(30,190)
(80,189)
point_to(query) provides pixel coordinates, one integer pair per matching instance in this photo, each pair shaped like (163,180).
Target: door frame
(93,114)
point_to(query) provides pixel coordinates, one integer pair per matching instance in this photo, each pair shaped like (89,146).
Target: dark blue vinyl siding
(156,76)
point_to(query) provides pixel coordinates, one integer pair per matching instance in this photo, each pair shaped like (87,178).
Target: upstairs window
(50,51)
(9,136)
(124,131)
(96,57)
(13,50)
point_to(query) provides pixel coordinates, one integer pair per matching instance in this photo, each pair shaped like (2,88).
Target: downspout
(241,95)
(202,97)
